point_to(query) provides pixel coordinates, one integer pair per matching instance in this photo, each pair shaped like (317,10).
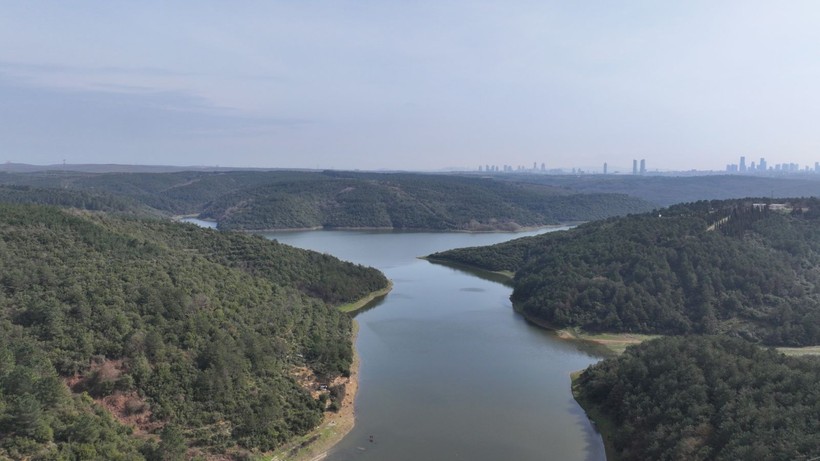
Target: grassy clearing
(797,351)
(502,277)
(614,343)
(356,305)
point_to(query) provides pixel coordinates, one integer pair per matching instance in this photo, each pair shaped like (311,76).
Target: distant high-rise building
(543,167)
(742,164)
(762,164)
(634,166)
(817,167)
(643,166)
(752,167)
(604,167)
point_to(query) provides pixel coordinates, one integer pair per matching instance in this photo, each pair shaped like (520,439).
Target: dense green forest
(730,267)
(255,200)
(67,198)
(188,334)
(705,398)
(409,201)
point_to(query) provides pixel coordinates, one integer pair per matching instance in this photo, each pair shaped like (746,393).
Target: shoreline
(520,229)
(369,298)
(316,444)
(608,343)
(395,229)
(508,276)
(603,425)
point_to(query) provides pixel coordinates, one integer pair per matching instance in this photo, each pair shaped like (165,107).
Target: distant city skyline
(639,167)
(425,86)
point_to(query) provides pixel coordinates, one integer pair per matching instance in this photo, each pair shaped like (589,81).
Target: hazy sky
(410,84)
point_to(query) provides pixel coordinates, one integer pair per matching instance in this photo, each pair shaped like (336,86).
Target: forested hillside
(188,335)
(729,267)
(409,201)
(705,398)
(256,200)
(73,199)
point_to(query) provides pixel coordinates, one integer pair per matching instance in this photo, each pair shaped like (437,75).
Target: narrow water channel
(448,370)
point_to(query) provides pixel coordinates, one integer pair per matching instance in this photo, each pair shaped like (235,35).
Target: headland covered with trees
(724,277)
(126,338)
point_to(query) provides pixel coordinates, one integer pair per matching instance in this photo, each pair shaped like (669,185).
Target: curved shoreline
(520,229)
(602,424)
(315,445)
(363,302)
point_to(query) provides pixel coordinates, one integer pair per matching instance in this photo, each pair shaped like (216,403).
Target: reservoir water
(448,370)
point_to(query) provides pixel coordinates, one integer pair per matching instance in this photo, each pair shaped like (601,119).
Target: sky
(410,85)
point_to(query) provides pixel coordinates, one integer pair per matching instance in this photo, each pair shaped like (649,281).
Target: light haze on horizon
(421,85)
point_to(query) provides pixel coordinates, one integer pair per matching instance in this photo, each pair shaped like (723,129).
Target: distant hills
(254,200)
(11,167)
(663,191)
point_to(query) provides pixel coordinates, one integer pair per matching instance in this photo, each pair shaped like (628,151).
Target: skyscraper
(742,164)
(604,167)
(634,166)
(643,166)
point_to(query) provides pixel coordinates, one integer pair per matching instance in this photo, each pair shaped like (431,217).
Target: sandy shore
(314,446)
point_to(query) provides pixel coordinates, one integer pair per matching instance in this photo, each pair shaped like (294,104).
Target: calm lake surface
(448,370)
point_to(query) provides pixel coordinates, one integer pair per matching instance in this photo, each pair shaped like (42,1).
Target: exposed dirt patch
(131,410)
(101,380)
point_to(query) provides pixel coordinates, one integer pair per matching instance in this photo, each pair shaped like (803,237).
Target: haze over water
(448,370)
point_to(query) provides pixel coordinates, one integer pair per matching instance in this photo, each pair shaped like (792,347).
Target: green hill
(254,200)
(704,398)
(728,267)
(189,335)
(409,201)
